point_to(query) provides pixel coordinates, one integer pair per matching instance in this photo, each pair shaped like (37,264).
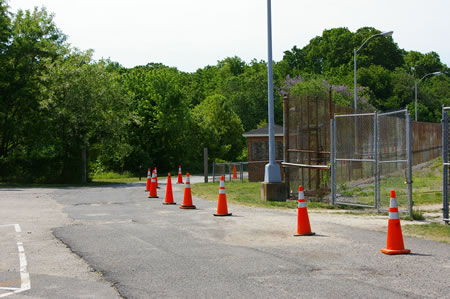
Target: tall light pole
(272,170)
(355,94)
(415,89)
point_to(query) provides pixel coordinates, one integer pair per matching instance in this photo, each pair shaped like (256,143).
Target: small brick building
(258,151)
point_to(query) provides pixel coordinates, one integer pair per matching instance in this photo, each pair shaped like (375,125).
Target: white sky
(192,34)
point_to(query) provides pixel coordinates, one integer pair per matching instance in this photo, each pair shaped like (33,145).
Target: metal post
(83,165)
(332,158)
(409,157)
(355,95)
(445,165)
(286,144)
(272,170)
(377,189)
(241,173)
(415,98)
(205,163)
(213,171)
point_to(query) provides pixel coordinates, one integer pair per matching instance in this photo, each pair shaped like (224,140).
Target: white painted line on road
(25,283)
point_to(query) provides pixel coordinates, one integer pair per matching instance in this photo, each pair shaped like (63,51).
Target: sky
(193,34)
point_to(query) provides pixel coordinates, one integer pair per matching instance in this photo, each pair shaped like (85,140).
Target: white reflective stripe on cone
(221,191)
(393,215)
(222,183)
(301,195)
(393,203)
(302,204)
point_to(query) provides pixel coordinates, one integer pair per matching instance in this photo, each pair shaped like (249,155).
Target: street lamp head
(436,73)
(388,33)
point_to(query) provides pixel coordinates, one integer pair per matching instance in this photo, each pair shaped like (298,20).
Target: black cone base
(169,203)
(229,214)
(188,207)
(308,234)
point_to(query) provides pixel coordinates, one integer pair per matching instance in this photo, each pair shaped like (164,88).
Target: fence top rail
(355,160)
(286,164)
(394,112)
(353,115)
(249,162)
(393,161)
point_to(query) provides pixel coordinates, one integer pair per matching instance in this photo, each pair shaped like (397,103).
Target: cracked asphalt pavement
(105,242)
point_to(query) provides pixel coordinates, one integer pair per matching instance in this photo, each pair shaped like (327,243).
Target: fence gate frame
(376,159)
(445,164)
(334,159)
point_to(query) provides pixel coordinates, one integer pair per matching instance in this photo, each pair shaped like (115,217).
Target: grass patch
(432,231)
(427,185)
(115,178)
(416,215)
(248,193)
(107,178)
(99,181)
(90,184)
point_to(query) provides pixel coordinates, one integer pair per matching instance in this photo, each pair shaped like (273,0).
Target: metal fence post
(205,163)
(241,174)
(377,191)
(213,171)
(409,166)
(332,164)
(445,164)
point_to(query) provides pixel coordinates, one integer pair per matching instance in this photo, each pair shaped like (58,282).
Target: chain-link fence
(354,159)
(242,171)
(445,163)
(394,157)
(369,152)
(307,143)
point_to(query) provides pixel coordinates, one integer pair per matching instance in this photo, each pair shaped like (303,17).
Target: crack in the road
(91,268)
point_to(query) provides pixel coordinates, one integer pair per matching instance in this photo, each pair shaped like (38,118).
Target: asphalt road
(147,250)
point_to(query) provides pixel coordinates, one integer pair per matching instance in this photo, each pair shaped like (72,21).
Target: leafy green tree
(162,134)
(89,112)
(419,64)
(220,128)
(32,40)
(380,51)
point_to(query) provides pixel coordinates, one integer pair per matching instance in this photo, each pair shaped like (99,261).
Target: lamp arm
(378,34)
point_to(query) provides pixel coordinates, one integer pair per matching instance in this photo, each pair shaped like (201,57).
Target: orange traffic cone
(394,234)
(180,175)
(153,193)
(187,200)
(234,172)
(169,194)
(149,181)
(222,209)
(303,227)
(156,177)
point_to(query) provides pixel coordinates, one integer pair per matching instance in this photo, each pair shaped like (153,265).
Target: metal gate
(445,163)
(366,151)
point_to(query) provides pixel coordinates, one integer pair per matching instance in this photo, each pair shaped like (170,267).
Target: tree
(419,64)
(162,136)
(89,112)
(27,46)
(220,128)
